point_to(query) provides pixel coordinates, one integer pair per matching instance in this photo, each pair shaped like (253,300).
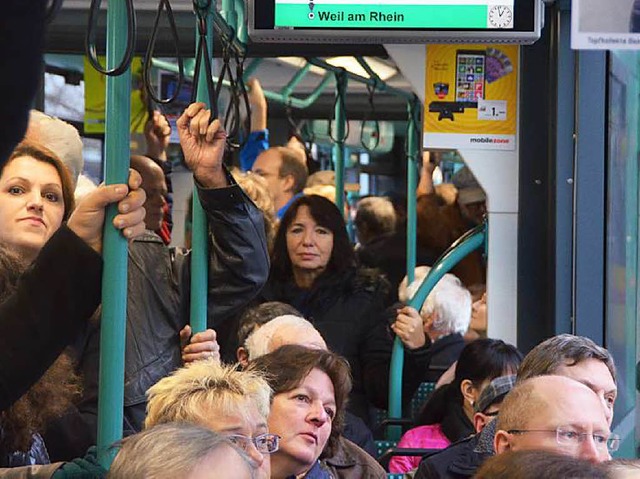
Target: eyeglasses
(264,443)
(568,437)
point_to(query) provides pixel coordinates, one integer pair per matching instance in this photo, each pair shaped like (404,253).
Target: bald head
(155,186)
(534,410)
(283,330)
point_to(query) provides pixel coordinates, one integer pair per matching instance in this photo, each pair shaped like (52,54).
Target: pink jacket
(422,437)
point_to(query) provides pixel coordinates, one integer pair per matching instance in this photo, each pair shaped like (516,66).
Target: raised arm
(238,256)
(258,139)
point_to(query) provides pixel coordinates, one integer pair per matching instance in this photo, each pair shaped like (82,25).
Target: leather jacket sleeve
(238,255)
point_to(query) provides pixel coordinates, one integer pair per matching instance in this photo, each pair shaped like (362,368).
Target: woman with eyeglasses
(228,401)
(447,416)
(310,390)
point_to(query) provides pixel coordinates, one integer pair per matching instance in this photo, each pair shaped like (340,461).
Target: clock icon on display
(501,16)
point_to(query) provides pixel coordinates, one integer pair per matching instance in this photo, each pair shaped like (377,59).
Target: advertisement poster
(605,25)
(472,96)
(95,98)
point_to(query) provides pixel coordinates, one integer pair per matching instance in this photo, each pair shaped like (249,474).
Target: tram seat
(394,476)
(420,398)
(384,446)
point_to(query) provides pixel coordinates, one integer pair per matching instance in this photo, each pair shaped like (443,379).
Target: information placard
(605,24)
(471,96)
(395,21)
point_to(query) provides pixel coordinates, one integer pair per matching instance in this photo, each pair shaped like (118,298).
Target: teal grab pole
(242,26)
(397,354)
(359,78)
(251,68)
(228,12)
(297,78)
(467,243)
(413,150)
(199,243)
(305,102)
(340,121)
(114,276)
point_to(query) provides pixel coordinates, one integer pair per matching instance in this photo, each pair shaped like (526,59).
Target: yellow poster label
(95,98)
(472,90)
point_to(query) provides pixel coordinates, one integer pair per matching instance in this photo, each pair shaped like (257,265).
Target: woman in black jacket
(314,269)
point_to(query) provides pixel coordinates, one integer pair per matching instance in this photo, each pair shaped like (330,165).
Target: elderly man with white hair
(285,329)
(436,332)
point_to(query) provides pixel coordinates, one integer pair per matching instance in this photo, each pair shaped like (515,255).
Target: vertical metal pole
(228,12)
(413,145)
(340,121)
(114,279)
(200,251)
(397,355)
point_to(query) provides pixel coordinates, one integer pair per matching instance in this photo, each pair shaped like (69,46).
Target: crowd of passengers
(288,378)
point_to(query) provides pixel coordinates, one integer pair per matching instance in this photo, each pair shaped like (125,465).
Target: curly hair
(47,399)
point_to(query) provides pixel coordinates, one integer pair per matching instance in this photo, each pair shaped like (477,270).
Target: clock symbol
(500,16)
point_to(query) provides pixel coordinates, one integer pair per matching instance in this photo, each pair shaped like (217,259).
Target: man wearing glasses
(576,357)
(558,414)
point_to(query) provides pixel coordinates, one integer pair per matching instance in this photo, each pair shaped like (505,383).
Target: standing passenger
(314,270)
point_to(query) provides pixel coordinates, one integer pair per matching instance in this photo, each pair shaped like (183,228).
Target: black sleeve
(238,255)
(426,471)
(376,361)
(21,43)
(55,298)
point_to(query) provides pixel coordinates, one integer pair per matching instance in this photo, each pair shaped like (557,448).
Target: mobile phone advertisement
(471,96)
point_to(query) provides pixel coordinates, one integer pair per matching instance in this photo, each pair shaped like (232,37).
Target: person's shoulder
(369,280)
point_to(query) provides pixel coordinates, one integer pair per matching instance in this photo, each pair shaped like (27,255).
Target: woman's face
(31,205)
(479,314)
(302,418)
(309,245)
(246,421)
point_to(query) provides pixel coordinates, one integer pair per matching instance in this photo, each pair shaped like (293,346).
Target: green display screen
(398,14)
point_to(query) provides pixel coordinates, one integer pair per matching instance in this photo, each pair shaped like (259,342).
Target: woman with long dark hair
(314,269)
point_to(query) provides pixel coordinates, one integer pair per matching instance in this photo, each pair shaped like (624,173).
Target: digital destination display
(396,21)
(394,14)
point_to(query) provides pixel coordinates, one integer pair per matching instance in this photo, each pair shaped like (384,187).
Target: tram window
(364,184)
(92,153)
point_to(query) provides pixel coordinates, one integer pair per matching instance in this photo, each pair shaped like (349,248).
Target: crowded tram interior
(319,239)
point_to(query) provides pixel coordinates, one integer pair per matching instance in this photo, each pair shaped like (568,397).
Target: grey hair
(563,350)
(168,451)
(449,300)
(60,137)
(259,342)
(377,215)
